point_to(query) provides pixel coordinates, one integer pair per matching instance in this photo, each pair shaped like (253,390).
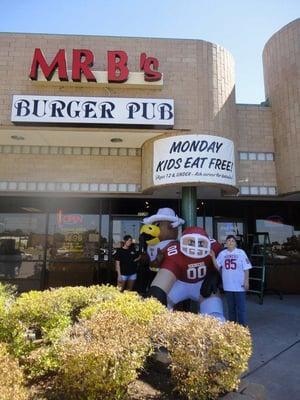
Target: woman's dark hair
(230,237)
(127,237)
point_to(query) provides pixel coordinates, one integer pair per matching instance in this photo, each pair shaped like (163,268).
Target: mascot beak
(151,234)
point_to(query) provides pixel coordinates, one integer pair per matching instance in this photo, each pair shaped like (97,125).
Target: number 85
(230,264)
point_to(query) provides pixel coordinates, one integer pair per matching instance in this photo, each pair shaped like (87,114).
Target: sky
(242,27)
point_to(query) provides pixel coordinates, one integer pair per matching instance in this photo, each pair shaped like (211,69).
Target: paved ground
(275,329)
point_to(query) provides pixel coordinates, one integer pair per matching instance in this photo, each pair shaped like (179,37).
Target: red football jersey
(186,269)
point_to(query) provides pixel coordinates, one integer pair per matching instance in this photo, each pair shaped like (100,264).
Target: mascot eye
(156,223)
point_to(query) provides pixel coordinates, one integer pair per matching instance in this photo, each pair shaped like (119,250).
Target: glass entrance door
(119,227)
(225,227)
(122,226)
(73,243)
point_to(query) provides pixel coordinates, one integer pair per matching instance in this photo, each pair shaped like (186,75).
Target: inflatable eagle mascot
(185,267)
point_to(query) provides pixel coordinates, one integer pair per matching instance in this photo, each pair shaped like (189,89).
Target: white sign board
(194,158)
(92,110)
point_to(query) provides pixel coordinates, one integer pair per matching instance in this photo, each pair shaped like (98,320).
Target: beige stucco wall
(281,58)
(62,168)
(206,100)
(198,75)
(255,134)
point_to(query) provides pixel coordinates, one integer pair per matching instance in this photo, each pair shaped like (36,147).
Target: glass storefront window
(261,156)
(272,190)
(225,228)
(207,224)
(122,227)
(104,238)
(263,190)
(253,190)
(22,244)
(245,190)
(73,248)
(278,231)
(285,241)
(83,233)
(73,235)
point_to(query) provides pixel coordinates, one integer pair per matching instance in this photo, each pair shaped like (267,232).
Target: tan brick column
(281,58)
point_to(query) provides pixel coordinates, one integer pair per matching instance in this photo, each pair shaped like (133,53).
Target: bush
(80,297)
(101,356)
(7,297)
(207,357)
(11,377)
(36,320)
(130,304)
(44,315)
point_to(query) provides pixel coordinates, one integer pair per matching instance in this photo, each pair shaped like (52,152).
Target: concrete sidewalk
(275,330)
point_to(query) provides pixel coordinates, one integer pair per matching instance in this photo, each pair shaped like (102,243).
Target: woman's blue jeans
(236,302)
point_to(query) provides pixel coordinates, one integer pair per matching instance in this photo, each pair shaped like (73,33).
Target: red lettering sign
(83,60)
(82,66)
(62,218)
(150,66)
(48,70)
(72,219)
(117,66)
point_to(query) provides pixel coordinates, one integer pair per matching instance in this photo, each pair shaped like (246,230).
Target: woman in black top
(126,264)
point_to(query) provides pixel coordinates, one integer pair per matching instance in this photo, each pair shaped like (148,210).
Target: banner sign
(194,158)
(92,110)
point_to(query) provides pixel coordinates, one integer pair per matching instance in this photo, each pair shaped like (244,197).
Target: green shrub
(36,320)
(44,314)
(7,294)
(11,377)
(101,356)
(207,357)
(130,304)
(49,312)
(80,297)
(7,297)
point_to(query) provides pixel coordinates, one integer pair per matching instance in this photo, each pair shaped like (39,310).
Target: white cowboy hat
(165,214)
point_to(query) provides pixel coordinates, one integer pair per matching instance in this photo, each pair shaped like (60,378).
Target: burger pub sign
(93,110)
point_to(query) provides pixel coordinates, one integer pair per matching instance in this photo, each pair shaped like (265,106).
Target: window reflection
(22,242)
(229,228)
(285,240)
(122,227)
(278,231)
(73,236)
(207,224)
(104,242)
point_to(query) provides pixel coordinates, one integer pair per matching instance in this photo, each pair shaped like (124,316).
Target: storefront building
(97,132)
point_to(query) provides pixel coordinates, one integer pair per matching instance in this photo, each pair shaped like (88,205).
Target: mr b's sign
(93,110)
(82,62)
